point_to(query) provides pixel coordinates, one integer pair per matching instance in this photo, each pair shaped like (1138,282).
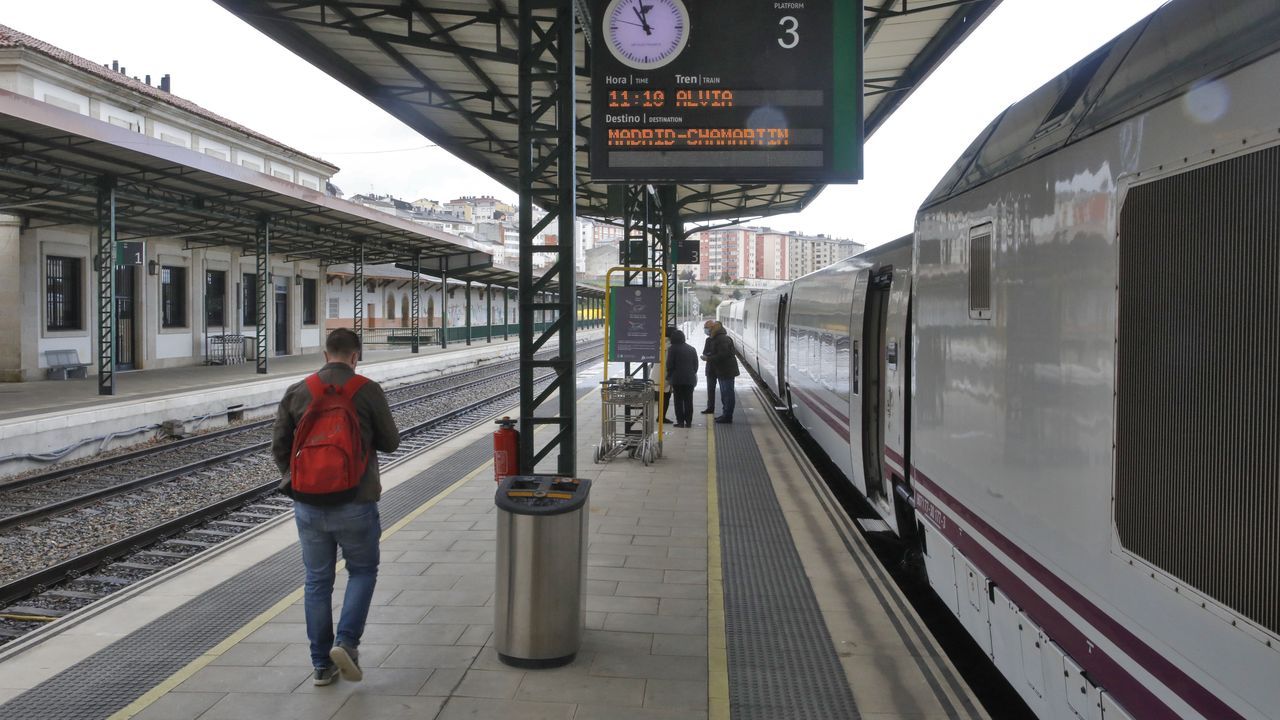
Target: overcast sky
(221,63)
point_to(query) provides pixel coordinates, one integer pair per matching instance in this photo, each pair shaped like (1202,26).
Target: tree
(725,279)
(737,295)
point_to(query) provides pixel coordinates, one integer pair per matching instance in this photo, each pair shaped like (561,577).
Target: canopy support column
(444,302)
(262,244)
(468,312)
(506,313)
(671,236)
(357,262)
(488,312)
(106,287)
(548,123)
(414,305)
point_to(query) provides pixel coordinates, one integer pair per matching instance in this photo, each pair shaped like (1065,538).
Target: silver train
(1064,386)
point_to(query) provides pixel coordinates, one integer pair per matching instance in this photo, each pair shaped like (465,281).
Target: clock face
(646,34)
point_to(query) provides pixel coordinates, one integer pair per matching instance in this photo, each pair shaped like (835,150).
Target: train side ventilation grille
(980,272)
(1198,373)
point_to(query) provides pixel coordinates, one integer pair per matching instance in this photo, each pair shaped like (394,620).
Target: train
(1062,389)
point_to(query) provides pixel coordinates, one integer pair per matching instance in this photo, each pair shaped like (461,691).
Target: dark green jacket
(722,361)
(377,427)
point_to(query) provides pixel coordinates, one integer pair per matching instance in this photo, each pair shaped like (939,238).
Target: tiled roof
(10,38)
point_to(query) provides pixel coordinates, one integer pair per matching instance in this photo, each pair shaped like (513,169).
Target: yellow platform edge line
(717,649)
(146,699)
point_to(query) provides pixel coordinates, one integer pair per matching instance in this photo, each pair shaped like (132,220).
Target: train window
(980,272)
(1074,82)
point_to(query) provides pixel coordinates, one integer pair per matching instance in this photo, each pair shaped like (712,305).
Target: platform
(40,396)
(723,581)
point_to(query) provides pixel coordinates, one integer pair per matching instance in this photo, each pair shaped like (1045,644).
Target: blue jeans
(727,398)
(355,527)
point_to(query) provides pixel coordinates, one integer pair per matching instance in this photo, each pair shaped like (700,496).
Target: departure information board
(726,91)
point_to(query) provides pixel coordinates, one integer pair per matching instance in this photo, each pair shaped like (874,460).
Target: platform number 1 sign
(130,253)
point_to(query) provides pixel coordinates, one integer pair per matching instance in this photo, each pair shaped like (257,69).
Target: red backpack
(328,458)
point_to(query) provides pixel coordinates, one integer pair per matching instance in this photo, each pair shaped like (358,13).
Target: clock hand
(628,22)
(644,23)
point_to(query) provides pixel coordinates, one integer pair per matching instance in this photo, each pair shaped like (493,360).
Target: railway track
(163,544)
(43,495)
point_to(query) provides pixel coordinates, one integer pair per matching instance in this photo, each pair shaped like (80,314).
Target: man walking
(328,431)
(711,375)
(722,360)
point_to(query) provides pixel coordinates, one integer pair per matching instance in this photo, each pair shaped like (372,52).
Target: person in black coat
(711,375)
(682,376)
(723,361)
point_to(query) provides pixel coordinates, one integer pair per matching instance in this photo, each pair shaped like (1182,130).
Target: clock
(646,34)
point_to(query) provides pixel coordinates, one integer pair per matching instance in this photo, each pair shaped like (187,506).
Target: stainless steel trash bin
(540,607)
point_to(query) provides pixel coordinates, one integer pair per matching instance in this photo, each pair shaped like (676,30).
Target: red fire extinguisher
(506,449)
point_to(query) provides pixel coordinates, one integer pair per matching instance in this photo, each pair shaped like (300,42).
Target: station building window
(249,299)
(62,293)
(334,308)
(308,301)
(173,297)
(215,298)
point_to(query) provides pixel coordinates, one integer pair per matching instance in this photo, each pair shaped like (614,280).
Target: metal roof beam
(952,33)
(886,10)
(228,217)
(417,74)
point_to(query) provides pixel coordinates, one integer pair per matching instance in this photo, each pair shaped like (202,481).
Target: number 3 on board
(791,37)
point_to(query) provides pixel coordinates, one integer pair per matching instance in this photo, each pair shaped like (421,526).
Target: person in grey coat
(723,361)
(711,375)
(682,376)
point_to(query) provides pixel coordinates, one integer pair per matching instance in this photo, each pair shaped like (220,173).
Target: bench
(426,336)
(64,364)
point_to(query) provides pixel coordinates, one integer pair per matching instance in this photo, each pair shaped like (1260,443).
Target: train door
(874,321)
(282,315)
(125,307)
(780,347)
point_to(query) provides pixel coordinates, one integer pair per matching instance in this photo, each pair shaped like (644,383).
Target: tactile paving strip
(113,677)
(782,663)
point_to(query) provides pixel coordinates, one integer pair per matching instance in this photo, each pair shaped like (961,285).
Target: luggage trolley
(627,420)
(635,331)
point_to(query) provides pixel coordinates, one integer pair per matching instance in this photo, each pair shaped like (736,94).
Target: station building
(191,293)
(181,294)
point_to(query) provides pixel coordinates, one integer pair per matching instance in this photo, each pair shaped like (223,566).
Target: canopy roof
(54,161)
(448,70)
(495,275)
